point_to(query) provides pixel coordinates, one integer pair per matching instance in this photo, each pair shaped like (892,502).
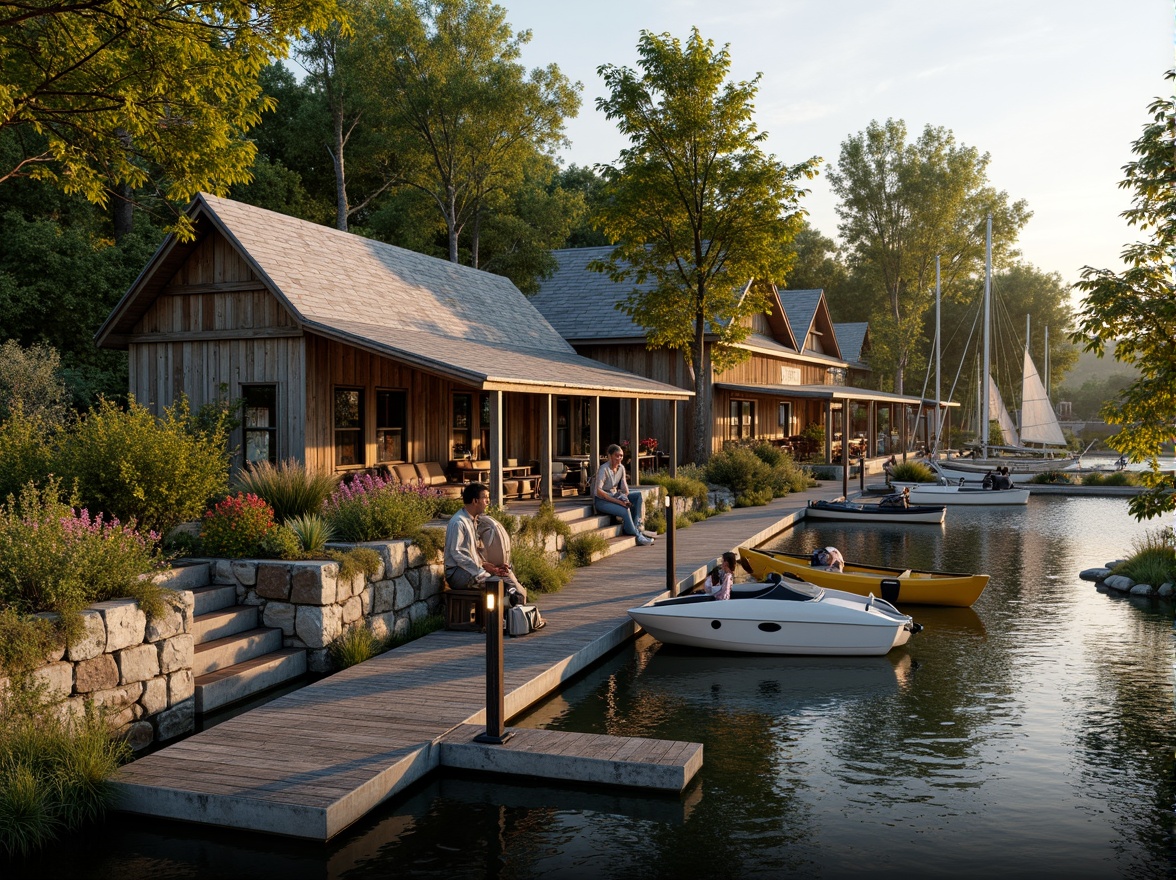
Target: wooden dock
(312,762)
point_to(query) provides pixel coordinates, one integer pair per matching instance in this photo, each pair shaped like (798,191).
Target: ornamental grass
(288,487)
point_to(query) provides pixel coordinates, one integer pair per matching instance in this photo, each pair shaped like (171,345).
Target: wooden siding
(762,369)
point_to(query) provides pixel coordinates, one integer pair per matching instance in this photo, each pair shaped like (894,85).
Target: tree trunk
(451,220)
(900,356)
(341,208)
(702,392)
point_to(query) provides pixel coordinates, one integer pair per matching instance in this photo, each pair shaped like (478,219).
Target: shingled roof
(580,303)
(449,319)
(850,338)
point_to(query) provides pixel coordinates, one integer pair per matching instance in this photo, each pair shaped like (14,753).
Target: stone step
(186,576)
(226,622)
(215,690)
(237,648)
(214,597)
(593,523)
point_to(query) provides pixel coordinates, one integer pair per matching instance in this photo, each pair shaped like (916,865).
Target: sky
(1056,91)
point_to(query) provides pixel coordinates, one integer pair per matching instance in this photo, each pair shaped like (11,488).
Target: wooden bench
(465,610)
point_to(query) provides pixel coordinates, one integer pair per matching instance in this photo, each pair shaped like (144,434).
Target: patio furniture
(465,610)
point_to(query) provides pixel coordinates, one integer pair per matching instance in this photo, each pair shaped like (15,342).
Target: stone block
(138,663)
(119,719)
(57,679)
(244,572)
(405,594)
(310,586)
(92,642)
(125,623)
(414,556)
(352,610)
(171,622)
(177,653)
(176,721)
(318,625)
(273,581)
(221,572)
(280,615)
(395,559)
(249,597)
(1142,590)
(432,577)
(98,674)
(383,596)
(118,698)
(402,627)
(366,598)
(138,735)
(382,625)
(318,661)
(180,686)
(154,696)
(418,611)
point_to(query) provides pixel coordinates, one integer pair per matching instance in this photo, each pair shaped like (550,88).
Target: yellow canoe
(896,585)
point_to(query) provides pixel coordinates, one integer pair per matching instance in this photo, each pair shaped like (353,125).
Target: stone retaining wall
(140,672)
(312,605)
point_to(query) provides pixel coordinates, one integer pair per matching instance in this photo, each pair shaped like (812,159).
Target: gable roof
(807,311)
(453,320)
(580,303)
(850,338)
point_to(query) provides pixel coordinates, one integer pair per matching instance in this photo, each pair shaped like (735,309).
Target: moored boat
(895,585)
(779,617)
(939,493)
(852,510)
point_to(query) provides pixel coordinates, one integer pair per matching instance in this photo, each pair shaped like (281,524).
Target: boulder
(1119,582)
(1142,590)
(138,663)
(311,586)
(125,623)
(93,639)
(1165,590)
(1094,574)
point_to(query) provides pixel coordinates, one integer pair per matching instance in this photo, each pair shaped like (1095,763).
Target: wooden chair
(465,610)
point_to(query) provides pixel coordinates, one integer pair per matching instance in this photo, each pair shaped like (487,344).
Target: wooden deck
(310,763)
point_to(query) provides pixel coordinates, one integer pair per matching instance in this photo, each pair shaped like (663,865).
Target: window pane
(347,408)
(257,446)
(389,445)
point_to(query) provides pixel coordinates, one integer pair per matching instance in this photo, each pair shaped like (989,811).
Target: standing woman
(611,496)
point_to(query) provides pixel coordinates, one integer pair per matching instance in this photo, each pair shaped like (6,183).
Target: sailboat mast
(938,409)
(1047,362)
(1021,408)
(987,377)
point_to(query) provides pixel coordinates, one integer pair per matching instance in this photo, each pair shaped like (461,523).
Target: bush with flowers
(236,526)
(58,557)
(370,508)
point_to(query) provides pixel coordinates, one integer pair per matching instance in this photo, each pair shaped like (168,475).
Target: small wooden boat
(852,510)
(779,617)
(938,493)
(896,585)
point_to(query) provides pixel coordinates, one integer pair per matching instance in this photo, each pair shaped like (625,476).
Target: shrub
(1153,560)
(1051,478)
(357,644)
(447,507)
(655,521)
(538,528)
(373,509)
(744,473)
(912,472)
(30,381)
(25,641)
(583,547)
(26,450)
(356,560)
(289,488)
(431,541)
(157,472)
(281,542)
(54,557)
(234,527)
(312,530)
(538,570)
(679,486)
(53,772)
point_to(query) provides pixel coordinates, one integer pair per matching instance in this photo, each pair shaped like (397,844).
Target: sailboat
(1039,423)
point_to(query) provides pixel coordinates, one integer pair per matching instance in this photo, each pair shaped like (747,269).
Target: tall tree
(106,97)
(695,205)
(904,203)
(465,115)
(1136,309)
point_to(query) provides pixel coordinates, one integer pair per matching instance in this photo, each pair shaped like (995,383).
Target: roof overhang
(833,393)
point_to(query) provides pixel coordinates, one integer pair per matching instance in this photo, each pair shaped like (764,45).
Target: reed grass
(289,488)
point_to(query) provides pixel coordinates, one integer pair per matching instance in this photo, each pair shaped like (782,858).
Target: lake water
(1029,736)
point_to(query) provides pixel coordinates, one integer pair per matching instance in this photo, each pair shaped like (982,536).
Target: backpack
(523,619)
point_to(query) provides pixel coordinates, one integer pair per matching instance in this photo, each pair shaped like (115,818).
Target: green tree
(1136,309)
(820,265)
(465,116)
(902,204)
(31,380)
(105,97)
(695,205)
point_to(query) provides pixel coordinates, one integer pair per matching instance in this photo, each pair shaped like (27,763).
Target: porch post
(905,411)
(673,438)
(496,448)
(545,447)
(635,441)
(828,431)
(594,453)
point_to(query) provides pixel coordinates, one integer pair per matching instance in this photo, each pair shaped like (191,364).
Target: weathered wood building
(795,376)
(349,353)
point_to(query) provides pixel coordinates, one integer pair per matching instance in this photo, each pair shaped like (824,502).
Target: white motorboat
(779,617)
(938,493)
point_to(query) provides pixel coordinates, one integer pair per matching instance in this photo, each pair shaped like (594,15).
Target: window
(260,423)
(348,427)
(742,419)
(785,417)
(461,440)
(391,407)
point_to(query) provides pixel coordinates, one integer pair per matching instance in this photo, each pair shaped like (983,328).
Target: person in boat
(828,558)
(722,578)
(611,496)
(989,481)
(898,499)
(1002,480)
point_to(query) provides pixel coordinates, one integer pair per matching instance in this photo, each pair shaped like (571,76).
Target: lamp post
(496,733)
(671,578)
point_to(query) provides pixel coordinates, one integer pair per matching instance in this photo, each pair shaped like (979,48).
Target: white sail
(996,406)
(1038,422)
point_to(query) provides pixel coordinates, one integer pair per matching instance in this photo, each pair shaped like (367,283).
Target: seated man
(465,568)
(828,558)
